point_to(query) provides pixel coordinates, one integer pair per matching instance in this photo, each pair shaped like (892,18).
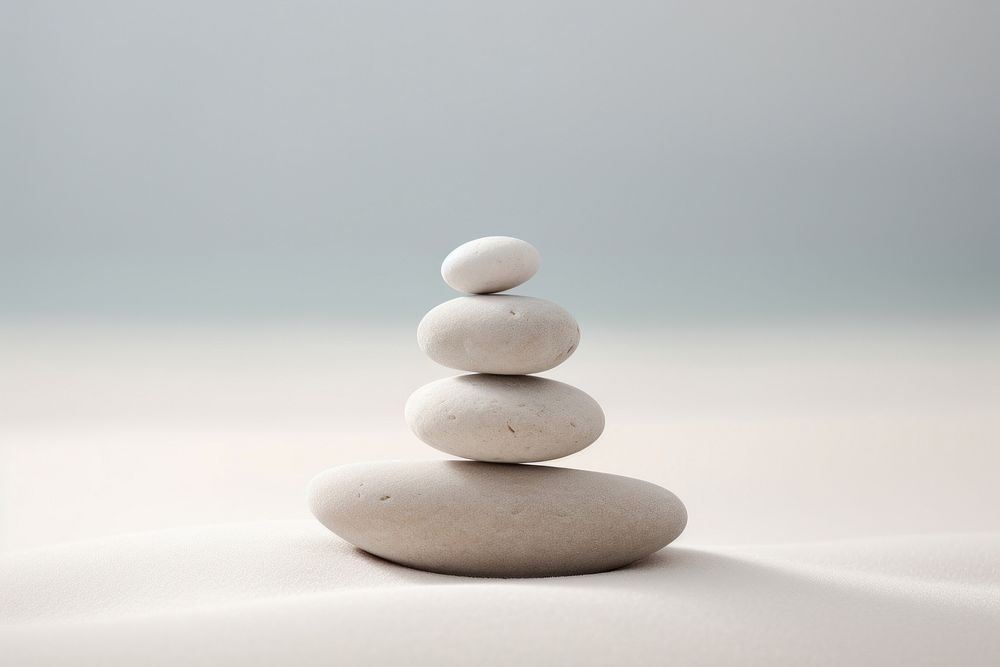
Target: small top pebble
(490,264)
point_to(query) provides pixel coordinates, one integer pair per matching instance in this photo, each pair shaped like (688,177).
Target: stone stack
(493,516)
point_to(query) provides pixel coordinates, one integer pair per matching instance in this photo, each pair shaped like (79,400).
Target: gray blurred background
(672,161)
(777,223)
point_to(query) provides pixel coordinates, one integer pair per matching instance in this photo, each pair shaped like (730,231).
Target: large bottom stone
(496,520)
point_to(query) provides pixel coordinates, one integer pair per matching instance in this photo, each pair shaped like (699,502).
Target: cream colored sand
(836,437)
(290,593)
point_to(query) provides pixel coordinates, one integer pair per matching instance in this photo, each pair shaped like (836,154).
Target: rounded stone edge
(534,264)
(559,360)
(408,418)
(677,505)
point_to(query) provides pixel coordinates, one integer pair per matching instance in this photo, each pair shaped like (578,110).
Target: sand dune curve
(288,592)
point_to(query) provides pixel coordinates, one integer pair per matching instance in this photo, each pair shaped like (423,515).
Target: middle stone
(506,334)
(504,418)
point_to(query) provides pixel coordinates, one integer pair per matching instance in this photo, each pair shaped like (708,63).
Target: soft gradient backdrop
(777,222)
(672,160)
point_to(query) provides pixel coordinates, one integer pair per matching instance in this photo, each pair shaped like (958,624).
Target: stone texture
(493,519)
(490,264)
(498,333)
(504,418)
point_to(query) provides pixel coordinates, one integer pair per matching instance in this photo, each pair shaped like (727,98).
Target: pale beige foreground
(768,435)
(290,593)
(821,436)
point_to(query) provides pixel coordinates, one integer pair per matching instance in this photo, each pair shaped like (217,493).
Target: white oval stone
(498,333)
(490,264)
(494,519)
(504,418)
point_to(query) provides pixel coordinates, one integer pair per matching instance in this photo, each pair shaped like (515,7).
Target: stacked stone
(492,516)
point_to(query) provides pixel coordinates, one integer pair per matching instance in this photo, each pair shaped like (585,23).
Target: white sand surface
(289,593)
(841,485)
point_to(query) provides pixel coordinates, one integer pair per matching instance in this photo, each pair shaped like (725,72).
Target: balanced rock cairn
(491,516)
